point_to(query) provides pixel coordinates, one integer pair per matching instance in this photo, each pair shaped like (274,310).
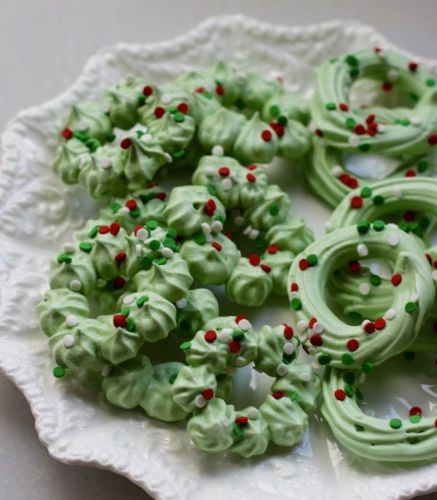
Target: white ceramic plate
(38,213)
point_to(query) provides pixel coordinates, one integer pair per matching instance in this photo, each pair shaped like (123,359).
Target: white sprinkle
(414,297)
(253,235)
(83,126)
(146,138)
(416,121)
(181,303)
(123,211)
(226,422)
(327,225)
(218,150)
(337,171)
(217,226)
(206,228)
(199,401)
(244,325)
(282,370)
(166,99)
(128,299)
(106,370)
(289,348)
(305,377)
(239,220)
(294,295)
(138,250)
(362,250)
(252,413)
(75,285)
(240,361)
(364,288)
(68,247)
(392,75)
(397,191)
(354,141)
(247,231)
(168,157)
(434,275)
(209,170)
(68,341)
(142,234)
(390,314)
(393,240)
(382,129)
(101,283)
(227,184)
(225,335)
(167,253)
(71,320)
(302,325)
(318,327)
(105,163)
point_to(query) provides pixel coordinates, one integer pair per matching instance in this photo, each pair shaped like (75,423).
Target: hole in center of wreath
(248,239)
(367,92)
(250,387)
(368,166)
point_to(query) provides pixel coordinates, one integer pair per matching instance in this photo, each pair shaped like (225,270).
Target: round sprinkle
(324,359)
(252,413)
(210,336)
(312,260)
(415,410)
(410,307)
(395,423)
(340,395)
(71,320)
(75,285)
(362,250)
(282,370)
(200,401)
(208,394)
(393,240)
(368,367)
(296,304)
(364,288)
(316,340)
(225,335)
(337,171)
(353,345)
(289,348)
(244,325)
(356,202)
(363,226)
(390,314)
(58,371)
(378,225)
(218,150)
(69,341)
(347,359)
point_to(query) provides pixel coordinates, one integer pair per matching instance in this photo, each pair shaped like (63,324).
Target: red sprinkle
(216,245)
(369,327)
(415,410)
(183,108)
(119,320)
(224,171)
(352,345)
(159,112)
(412,66)
(266,135)
(199,90)
(343,106)
(120,257)
(353,183)
(272,249)
(294,287)
(372,129)
(266,268)
(359,129)
(435,422)
(409,215)
(118,282)
(254,259)
(241,420)
(396,279)
(210,207)
(239,317)
(318,132)
(288,331)
(210,336)
(387,87)
(429,258)
(356,202)
(137,228)
(67,133)
(219,90)
(161,196)
(432,139)
(114,228)
(380,323)
(208,394)
(126,143)
(410,173)
(312,322)
(370,119)
(148,90)
(354,266)
(131,204)
(316,340)
(234,346)
(278,395)
(251,178)
(340,395)
(104,229)
(251,167)
(303,264)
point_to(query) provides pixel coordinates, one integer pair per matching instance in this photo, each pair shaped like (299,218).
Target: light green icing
(127,383)
(202,106)
(57,305)
(252,192)
(89,119)
(334,82)
(171,279)
(286,420)
(220,128)
(105,248)
(339,247)
(157,401)
(153,316)
(248,285)
(199,306)
(190,383)
(193,80)
(224,387)
(295,142)
(185,210)
(170,134)
(285,103)
(273,349)
(211,429)
(257,90)
(231,82)
(104,299)
(254,438)
(80,269)
(280,263)
(250,147)
(292,235)
(208,264)
(269,211)
(68,159)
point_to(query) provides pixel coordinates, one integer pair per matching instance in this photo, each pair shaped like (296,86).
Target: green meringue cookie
(210,262)
(198,307)
(88,118)
(68,160)
(172,131)
(285,103)
(127,383)
(211,429)
(295,141)
(280,262)
(189,386)
(271,210)
(105,248)
(102,175)
(277,348)
(292,235)
(253,185)
(252,438)
(228,83)
(302,384)
(58,305)
(220,128)
(73,270)
(190,206)
(157,401)
(193,81)
(248,285)
(258,90)
(286,420)
(169,278)
(123,100)
(202,106)
(250,147)
(152,316)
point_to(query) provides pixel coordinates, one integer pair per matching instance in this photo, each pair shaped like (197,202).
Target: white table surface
(43,46)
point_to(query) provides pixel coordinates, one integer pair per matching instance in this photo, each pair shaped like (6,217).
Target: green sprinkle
(347,358)
(283,120)
(378,200)
(378,225)
(146,262)
(404,121)
(58,371)
(220,218)
(64,259)
(152,224)
(422,166)
(85,247)
(368,367)
(349,377)
(94,231)
(135,212)
(80,136)
(115,207)
(359,428)
(375,280)
(130,325)
(141,99)
(274,209)
(424,222)
(330,106)
(172,378)
(410,307)
(172,109)
(171,232)
(92,145)
(199,238)
(430,82)
(359,394)
(288,358)
(139,133)
(236,429)
(184,324)
(324,359)
(125,311)
(354,72)
(350,123)
(274,111)
(161,261)
(415,419)
(261,243)
(395,423)
(141,300)
(409,355)
(185,346)
(179,117)
(366,192)
(363,226)
(178,153)
(293,395)
(110,137)
(312,259)
(207,94)
(238,335)
(154,245)
(296,304)
(352,60)
(145,198)
(364,147)
(212,190)
(169,243)
(349,390)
